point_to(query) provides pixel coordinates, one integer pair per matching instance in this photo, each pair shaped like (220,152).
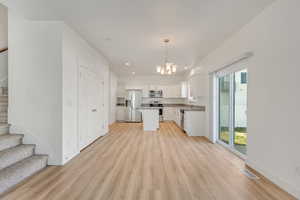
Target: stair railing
(3,50)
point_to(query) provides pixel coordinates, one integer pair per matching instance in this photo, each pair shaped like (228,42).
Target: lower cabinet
(194,123)
(167,113)
(172,114)
(177,117)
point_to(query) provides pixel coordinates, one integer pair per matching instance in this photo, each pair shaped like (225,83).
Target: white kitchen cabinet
(184,89)
(133,87)
(177,117)
(166,92)
(154,87)
(175,90)
(121,91)
(121,111)
(150,119)
(171,91)
(194,123)
(145,89)
(169,114)
(172,114)
(196,86)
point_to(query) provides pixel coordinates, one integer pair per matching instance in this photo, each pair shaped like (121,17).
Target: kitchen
(178,98)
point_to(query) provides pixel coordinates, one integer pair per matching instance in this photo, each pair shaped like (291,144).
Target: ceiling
(133,30)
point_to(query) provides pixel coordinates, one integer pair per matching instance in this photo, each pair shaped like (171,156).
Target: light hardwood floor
(165,165)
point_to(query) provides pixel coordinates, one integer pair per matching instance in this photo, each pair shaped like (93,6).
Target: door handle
(94,110)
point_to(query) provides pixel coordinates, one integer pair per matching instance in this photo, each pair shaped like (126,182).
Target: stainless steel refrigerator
(133,102)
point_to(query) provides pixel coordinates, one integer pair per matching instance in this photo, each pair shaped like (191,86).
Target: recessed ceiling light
(133,73)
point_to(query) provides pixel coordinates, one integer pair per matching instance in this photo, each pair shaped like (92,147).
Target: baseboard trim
(280,184)
(207,139)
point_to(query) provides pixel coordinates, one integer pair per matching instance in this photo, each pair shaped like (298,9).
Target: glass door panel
(240,111)
(224,109)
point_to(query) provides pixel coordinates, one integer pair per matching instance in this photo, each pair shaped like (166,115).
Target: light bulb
(162,71)
(158,69)
(168,66)
(174,68)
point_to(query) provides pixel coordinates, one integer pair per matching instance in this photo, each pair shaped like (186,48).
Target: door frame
(100,85)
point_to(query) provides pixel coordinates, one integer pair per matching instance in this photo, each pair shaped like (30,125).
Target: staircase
(17,160)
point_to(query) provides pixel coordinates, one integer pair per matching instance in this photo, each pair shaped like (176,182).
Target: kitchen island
(150,118)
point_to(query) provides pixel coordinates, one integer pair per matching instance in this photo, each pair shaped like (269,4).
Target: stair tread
(17,172)
(4,125)
(15,154)
(21,163)
(10,136)
(21,146)
(4,128)
(10,140)
(7,171)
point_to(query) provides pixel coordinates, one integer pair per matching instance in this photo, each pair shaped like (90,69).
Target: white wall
(198,84)
(77,52)
(273,97)
(35,81)
(43,79)
(3,44)
(113,97)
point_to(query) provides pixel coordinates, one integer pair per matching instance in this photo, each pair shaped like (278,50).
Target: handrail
(3,50)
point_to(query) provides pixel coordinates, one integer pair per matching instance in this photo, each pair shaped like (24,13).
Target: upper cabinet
(172,91)
(145,89)
(179,90)
(121,91)
(184,89)
(196,87)
(169,91)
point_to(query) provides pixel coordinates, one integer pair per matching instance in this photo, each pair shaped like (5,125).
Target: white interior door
(91,107)
(99,123)
(83,114)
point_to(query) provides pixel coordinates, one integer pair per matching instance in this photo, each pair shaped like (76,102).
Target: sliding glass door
(240,111)
(224,109)
(232,110)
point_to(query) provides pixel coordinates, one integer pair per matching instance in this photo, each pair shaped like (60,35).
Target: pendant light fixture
(167,68)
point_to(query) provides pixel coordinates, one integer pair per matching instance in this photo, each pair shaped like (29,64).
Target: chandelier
(167,67)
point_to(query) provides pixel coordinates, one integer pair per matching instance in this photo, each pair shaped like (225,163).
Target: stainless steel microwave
(155,93)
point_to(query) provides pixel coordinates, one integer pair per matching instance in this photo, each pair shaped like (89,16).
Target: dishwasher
(182,119)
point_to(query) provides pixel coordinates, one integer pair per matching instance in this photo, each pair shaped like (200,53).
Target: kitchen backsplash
(200,101)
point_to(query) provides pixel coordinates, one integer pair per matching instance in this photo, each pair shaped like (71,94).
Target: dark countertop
(184,107)
(194,108)
(148,108)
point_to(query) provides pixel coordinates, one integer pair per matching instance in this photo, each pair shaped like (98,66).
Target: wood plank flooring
(131,164)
